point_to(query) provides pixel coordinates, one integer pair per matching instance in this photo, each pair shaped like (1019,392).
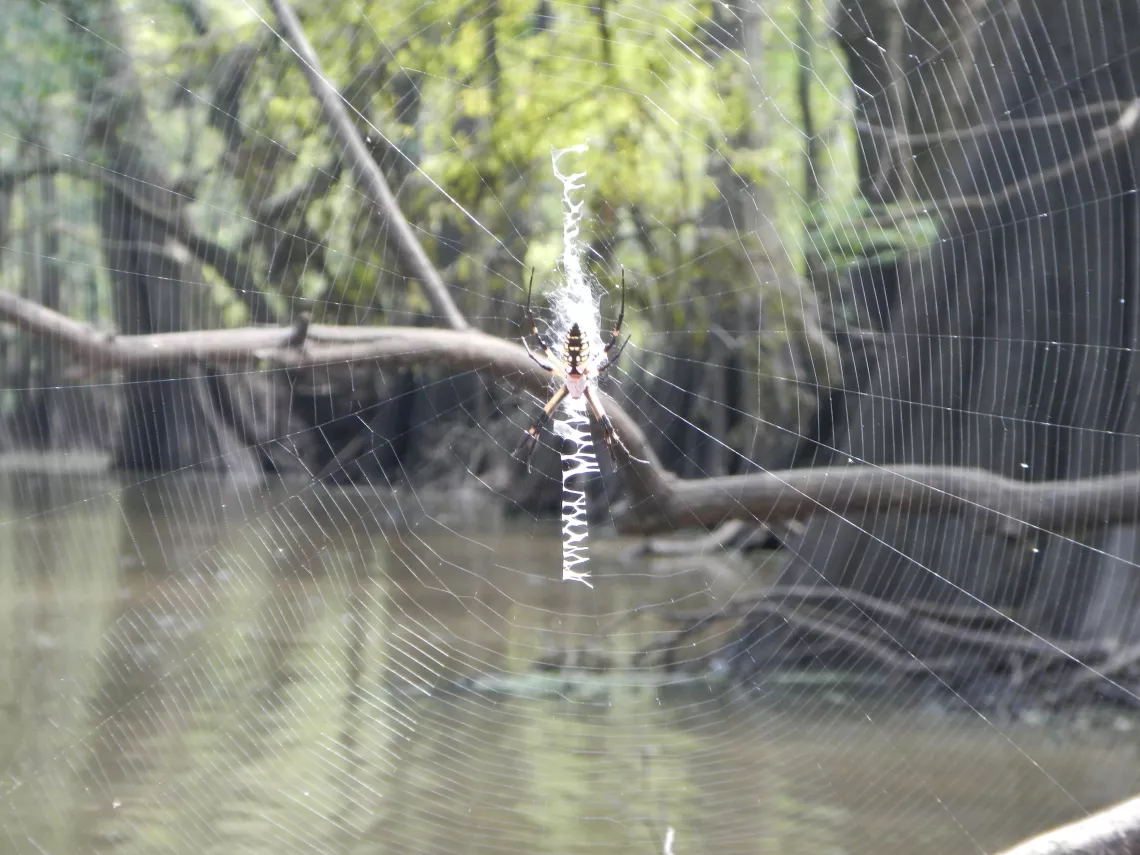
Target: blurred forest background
(874,231)
(166,168)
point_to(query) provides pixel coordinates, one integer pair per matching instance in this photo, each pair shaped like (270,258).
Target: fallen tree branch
(1001,505)
(658,501)
(365,169)
(1112,831)
(455,350)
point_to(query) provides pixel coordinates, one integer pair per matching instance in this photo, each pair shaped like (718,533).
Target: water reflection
(189,667)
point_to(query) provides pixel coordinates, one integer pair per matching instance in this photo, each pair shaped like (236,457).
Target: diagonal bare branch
(366,170)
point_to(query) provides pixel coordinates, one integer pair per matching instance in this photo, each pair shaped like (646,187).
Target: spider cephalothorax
(570,361)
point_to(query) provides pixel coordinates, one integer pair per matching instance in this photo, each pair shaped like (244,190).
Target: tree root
(976,653)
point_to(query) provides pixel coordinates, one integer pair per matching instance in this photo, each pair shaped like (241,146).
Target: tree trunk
(39,417)
(1011,345)
(169,417)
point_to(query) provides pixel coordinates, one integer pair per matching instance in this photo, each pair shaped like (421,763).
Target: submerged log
(1112,831)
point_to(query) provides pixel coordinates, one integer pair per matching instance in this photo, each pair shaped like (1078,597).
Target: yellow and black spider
(571,362)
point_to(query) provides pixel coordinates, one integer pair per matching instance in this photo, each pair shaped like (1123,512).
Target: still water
(190,667)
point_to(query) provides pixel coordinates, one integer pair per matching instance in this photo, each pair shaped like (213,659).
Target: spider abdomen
(577,349)
(577,354)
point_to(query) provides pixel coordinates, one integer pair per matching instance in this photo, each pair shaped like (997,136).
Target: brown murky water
(190,668)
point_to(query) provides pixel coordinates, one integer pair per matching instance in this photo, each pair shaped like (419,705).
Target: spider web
(315,606)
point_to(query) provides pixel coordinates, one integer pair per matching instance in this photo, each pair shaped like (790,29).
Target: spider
(571,363)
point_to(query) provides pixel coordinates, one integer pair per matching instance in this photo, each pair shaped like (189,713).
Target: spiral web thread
(355,658)
(574,302)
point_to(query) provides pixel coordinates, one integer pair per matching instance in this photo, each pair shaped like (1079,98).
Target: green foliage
(476,95)
(696,165)
(653,126)
(40,62)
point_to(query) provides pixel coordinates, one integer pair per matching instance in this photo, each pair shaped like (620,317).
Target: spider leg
(538,360)
(542,342)
(609,435)
(527,444)
(610,359)
(616,334)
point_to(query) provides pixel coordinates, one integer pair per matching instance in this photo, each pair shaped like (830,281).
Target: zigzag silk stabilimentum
(574,302)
